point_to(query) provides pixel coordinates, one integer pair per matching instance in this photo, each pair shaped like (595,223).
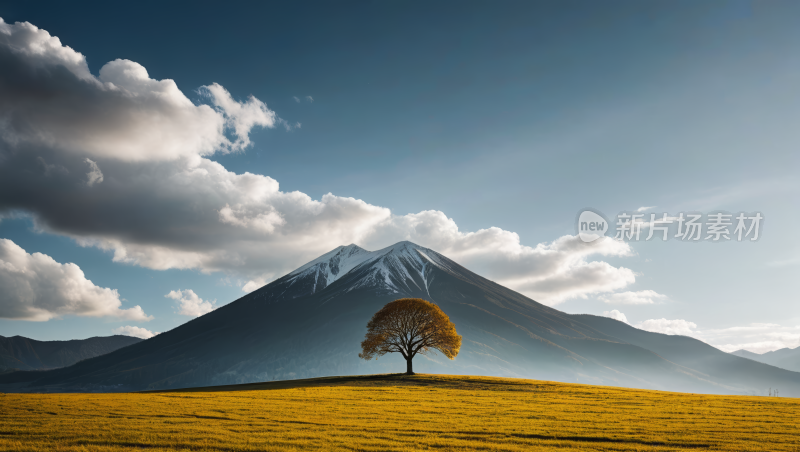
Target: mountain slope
(28,354)
(713,364)
(746,354)
(785,358)
(310,323)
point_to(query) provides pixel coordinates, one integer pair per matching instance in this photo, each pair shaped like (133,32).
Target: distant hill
(310,323)
(785,358)
(28,354)
(711,363)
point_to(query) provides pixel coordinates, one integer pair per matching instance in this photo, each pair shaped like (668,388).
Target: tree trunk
(409,368)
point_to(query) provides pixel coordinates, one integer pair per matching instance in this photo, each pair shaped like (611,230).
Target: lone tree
(409,326)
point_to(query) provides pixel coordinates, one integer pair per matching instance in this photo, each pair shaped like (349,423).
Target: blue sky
(514,115)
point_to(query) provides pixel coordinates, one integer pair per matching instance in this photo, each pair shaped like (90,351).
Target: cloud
(134,331)
(549,272)
(36,287)
(165,205)
(253,284)
(94,176)
(645,209)
(755,337)
(664,326)
(240,116)
(640,297)
(50,99)
(296,99)
(309,99)
(616,315)
(190,303)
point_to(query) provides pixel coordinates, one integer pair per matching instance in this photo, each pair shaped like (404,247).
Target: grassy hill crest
(399,412)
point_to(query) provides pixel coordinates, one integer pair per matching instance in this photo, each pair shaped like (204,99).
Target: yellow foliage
(399,413)
(409,326)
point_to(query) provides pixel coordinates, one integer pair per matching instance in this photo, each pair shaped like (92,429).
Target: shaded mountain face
(28,354)
(310,323)
(785,358)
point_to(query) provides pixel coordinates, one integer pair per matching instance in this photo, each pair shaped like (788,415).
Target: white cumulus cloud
(240,116)
(678,326)
(51,99)
(191,212)
(134,331)
(36,287)
(190,304)
(638,297)
(616,315)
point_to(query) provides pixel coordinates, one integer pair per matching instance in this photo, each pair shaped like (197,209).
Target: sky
(158,161)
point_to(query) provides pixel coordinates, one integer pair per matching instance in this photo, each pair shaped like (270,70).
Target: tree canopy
(410,326)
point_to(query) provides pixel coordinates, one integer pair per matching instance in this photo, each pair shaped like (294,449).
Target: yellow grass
(399,413)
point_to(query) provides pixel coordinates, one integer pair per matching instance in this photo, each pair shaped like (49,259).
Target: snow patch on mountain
(397,267)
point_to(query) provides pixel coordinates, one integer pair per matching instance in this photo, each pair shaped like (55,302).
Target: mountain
(785,358)
(28,354)
(746,354)
(310,323)
(712,364)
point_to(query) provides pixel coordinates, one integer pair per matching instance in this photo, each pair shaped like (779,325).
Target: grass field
(399,413)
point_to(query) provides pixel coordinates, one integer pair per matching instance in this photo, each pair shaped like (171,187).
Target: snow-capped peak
(332,265)
(346,253)
(388,267)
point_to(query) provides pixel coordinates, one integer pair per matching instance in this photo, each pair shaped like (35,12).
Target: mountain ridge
(785,358)
(310,322)
(22,353)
